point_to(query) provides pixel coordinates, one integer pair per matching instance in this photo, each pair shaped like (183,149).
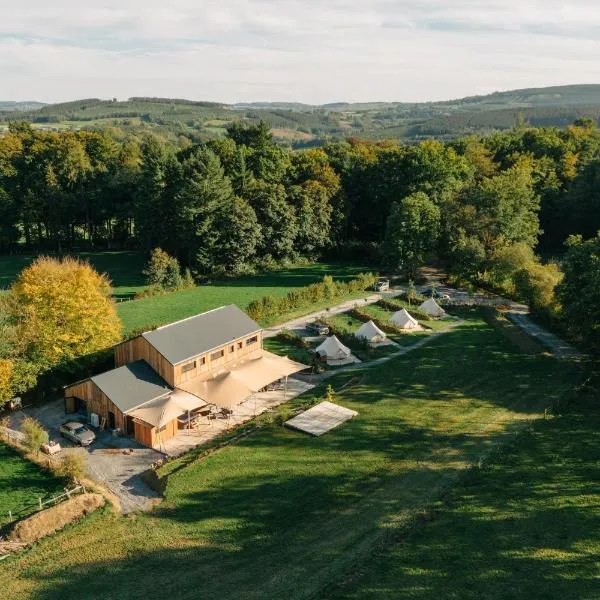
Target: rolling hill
(299,124)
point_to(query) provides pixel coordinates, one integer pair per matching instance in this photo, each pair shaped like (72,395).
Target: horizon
(333,102)
(311,52)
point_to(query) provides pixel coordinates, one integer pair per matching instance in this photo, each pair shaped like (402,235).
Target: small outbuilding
(432,308)
(404,320)
(333,349)
(370,332)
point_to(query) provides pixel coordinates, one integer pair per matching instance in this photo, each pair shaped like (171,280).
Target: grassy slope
(22,483)
(527,526)
(241,291)
(280,514)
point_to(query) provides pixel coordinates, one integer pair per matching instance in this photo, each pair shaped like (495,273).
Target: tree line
(487,206)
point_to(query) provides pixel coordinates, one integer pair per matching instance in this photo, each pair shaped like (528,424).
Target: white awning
(232,387)
(160,412)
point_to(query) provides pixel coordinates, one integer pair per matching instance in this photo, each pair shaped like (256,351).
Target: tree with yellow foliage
(6,375)
(63,310)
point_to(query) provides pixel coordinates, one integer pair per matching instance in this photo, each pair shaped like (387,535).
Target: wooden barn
(143,398)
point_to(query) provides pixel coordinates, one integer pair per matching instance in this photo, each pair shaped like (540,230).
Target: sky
(312,51)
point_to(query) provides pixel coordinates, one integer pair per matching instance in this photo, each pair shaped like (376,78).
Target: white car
(77,432)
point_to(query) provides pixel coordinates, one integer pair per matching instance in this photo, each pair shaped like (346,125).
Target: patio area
(208,426)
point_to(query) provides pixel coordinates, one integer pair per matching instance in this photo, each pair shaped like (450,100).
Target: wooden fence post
(41,505)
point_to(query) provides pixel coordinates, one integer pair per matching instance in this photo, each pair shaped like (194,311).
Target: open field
(123,267)
(22,483)
(158,310)
(525,526)
(280,514)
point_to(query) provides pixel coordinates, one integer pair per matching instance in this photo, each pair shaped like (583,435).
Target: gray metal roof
(185,339)
(132,385)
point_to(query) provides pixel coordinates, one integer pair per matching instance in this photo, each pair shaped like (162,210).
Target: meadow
(124,268)
(22,483)
(158,310)
(280,514)
(523,526)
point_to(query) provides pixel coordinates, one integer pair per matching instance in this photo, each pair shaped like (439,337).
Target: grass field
(158,310)
(22,483)
(525,526)
(283,515)
(124,269)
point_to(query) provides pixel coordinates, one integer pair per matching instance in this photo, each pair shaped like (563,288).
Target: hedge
(270,307)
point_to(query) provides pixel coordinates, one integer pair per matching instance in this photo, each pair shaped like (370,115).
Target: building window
(188,367)
(217,355)
(240,345)
(252,340)
(203,360)
(231,348)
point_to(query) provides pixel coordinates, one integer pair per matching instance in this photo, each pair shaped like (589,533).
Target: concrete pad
(321,418)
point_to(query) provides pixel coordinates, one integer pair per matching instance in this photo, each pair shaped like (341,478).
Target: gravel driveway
(116,462)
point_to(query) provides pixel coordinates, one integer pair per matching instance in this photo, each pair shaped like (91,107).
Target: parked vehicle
(431,293)
(317,328)
(77,433)
(382,285)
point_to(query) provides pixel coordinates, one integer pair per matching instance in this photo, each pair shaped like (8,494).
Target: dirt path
(558,347)
(518,313)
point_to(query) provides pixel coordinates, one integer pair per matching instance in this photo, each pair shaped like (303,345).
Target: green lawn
(123,267)
(22,483)
(282,515)
(158,310)
(525,526)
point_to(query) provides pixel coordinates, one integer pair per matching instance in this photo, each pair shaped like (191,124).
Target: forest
(516,211)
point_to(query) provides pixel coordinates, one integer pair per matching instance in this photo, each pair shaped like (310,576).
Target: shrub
(35,435)
(72,466)
(286,335)
(164,275)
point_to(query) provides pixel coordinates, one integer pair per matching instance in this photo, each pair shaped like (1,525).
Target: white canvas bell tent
(404,320)
(333,349)
(432,308)
(370,332)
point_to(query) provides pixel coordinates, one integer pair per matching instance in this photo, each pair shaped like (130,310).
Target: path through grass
(282,515)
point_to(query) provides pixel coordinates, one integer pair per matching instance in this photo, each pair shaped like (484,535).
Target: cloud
(307,50)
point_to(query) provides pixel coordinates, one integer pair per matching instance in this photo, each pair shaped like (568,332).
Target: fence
(12,435)
(25,511)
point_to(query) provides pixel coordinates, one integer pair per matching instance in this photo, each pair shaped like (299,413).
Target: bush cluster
(269,307)
(291,337)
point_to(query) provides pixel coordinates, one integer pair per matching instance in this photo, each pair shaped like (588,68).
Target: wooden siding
(149,436)
(232,355)
(96,401)
(139,348)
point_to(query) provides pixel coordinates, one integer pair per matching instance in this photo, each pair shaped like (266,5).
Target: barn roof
(132,385)
(190,337)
